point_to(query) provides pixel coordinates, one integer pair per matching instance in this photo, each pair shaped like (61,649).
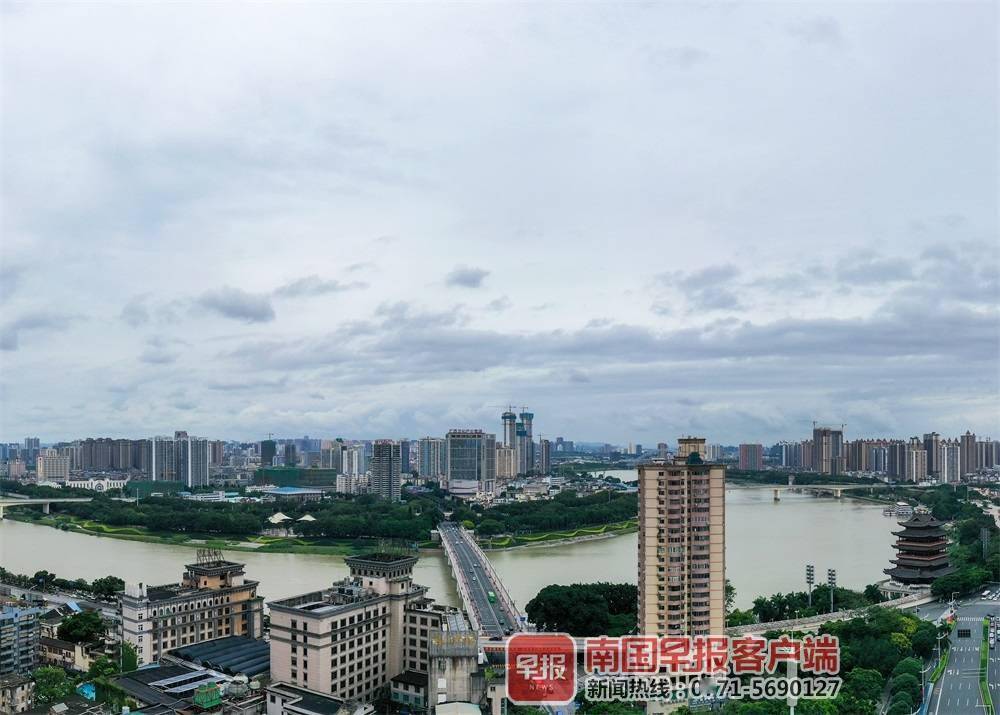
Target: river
(767,546)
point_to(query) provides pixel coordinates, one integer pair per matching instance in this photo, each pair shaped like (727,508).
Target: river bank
(299,545)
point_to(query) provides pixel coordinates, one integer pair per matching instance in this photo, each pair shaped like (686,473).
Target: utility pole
(810,580)
(831,581)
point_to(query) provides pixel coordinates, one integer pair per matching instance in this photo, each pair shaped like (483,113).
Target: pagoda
(921,551)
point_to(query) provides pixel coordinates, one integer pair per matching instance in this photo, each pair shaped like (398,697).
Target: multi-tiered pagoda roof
(921,551)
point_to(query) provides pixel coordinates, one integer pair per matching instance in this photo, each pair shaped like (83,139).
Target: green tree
(129,658)
(85,627)
(865,684)
(102,667)
(51,684)
(906,683)
(107,587)
(574,609)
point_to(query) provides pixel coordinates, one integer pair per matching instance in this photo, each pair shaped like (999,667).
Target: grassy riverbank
(556,537)
(260,544)
(301,545)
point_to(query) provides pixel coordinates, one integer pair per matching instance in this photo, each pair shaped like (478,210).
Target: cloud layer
(381,220)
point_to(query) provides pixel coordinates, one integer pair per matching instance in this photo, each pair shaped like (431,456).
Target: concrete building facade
(682,569)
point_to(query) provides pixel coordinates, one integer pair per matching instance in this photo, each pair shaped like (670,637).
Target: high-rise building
(216,452)
(506,464)
(828,450)
(949,461)
(332,455)
(191,458)
(268,451)
(213,600)
(662,450)
(471,462)
(896,458)
(509,428)
(432,458)
(544,456)
(916,461)
(355,460)
(32,445)
(162,463)
(986,454)
(51,467)
(291,454)
(525,443)
(682,542)
(404,457)
(932,443)
(751,457)
(19,634)
(385,469)
(968,443)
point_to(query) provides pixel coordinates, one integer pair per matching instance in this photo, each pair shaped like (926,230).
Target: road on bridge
(494,620)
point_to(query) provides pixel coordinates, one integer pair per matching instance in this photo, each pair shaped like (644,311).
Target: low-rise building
(77,657)
(102,483)
(213,600)
(17,694)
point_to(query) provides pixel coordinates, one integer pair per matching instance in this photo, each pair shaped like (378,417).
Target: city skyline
(422,225)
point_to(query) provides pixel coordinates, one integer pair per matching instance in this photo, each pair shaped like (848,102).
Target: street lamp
(810,580)
(831,581)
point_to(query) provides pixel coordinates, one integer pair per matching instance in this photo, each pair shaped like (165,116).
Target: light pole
(810,580)
(831,581)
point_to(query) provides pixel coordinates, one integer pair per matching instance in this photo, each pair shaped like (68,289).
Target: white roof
(307,517)
(278,518)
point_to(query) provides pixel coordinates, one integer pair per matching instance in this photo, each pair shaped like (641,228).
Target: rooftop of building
(293,491)
(381,558)
(309,700)
(233,655)
(12,680)
(169,685)
(411,677)
(170,591)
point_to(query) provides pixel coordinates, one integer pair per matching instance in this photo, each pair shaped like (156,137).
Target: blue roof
(293,490)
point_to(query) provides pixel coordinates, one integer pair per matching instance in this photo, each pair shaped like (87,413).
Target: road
(493,618)
(957,692)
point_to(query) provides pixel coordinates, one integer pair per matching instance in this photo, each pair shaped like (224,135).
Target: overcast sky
(364,220)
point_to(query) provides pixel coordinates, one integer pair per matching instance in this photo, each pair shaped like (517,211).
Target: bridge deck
(476,578)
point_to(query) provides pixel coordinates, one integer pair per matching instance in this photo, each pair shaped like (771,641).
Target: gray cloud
(853,277)
(466,277)
(10,278)
(41,322)
(135,312)
(313,285)
(498,305)
(238,305)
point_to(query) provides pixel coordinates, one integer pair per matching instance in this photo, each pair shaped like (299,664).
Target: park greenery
(340,518)
(585,609)
(797,604)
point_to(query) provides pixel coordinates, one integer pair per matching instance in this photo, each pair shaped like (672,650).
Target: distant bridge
(837,490)
(10,501)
